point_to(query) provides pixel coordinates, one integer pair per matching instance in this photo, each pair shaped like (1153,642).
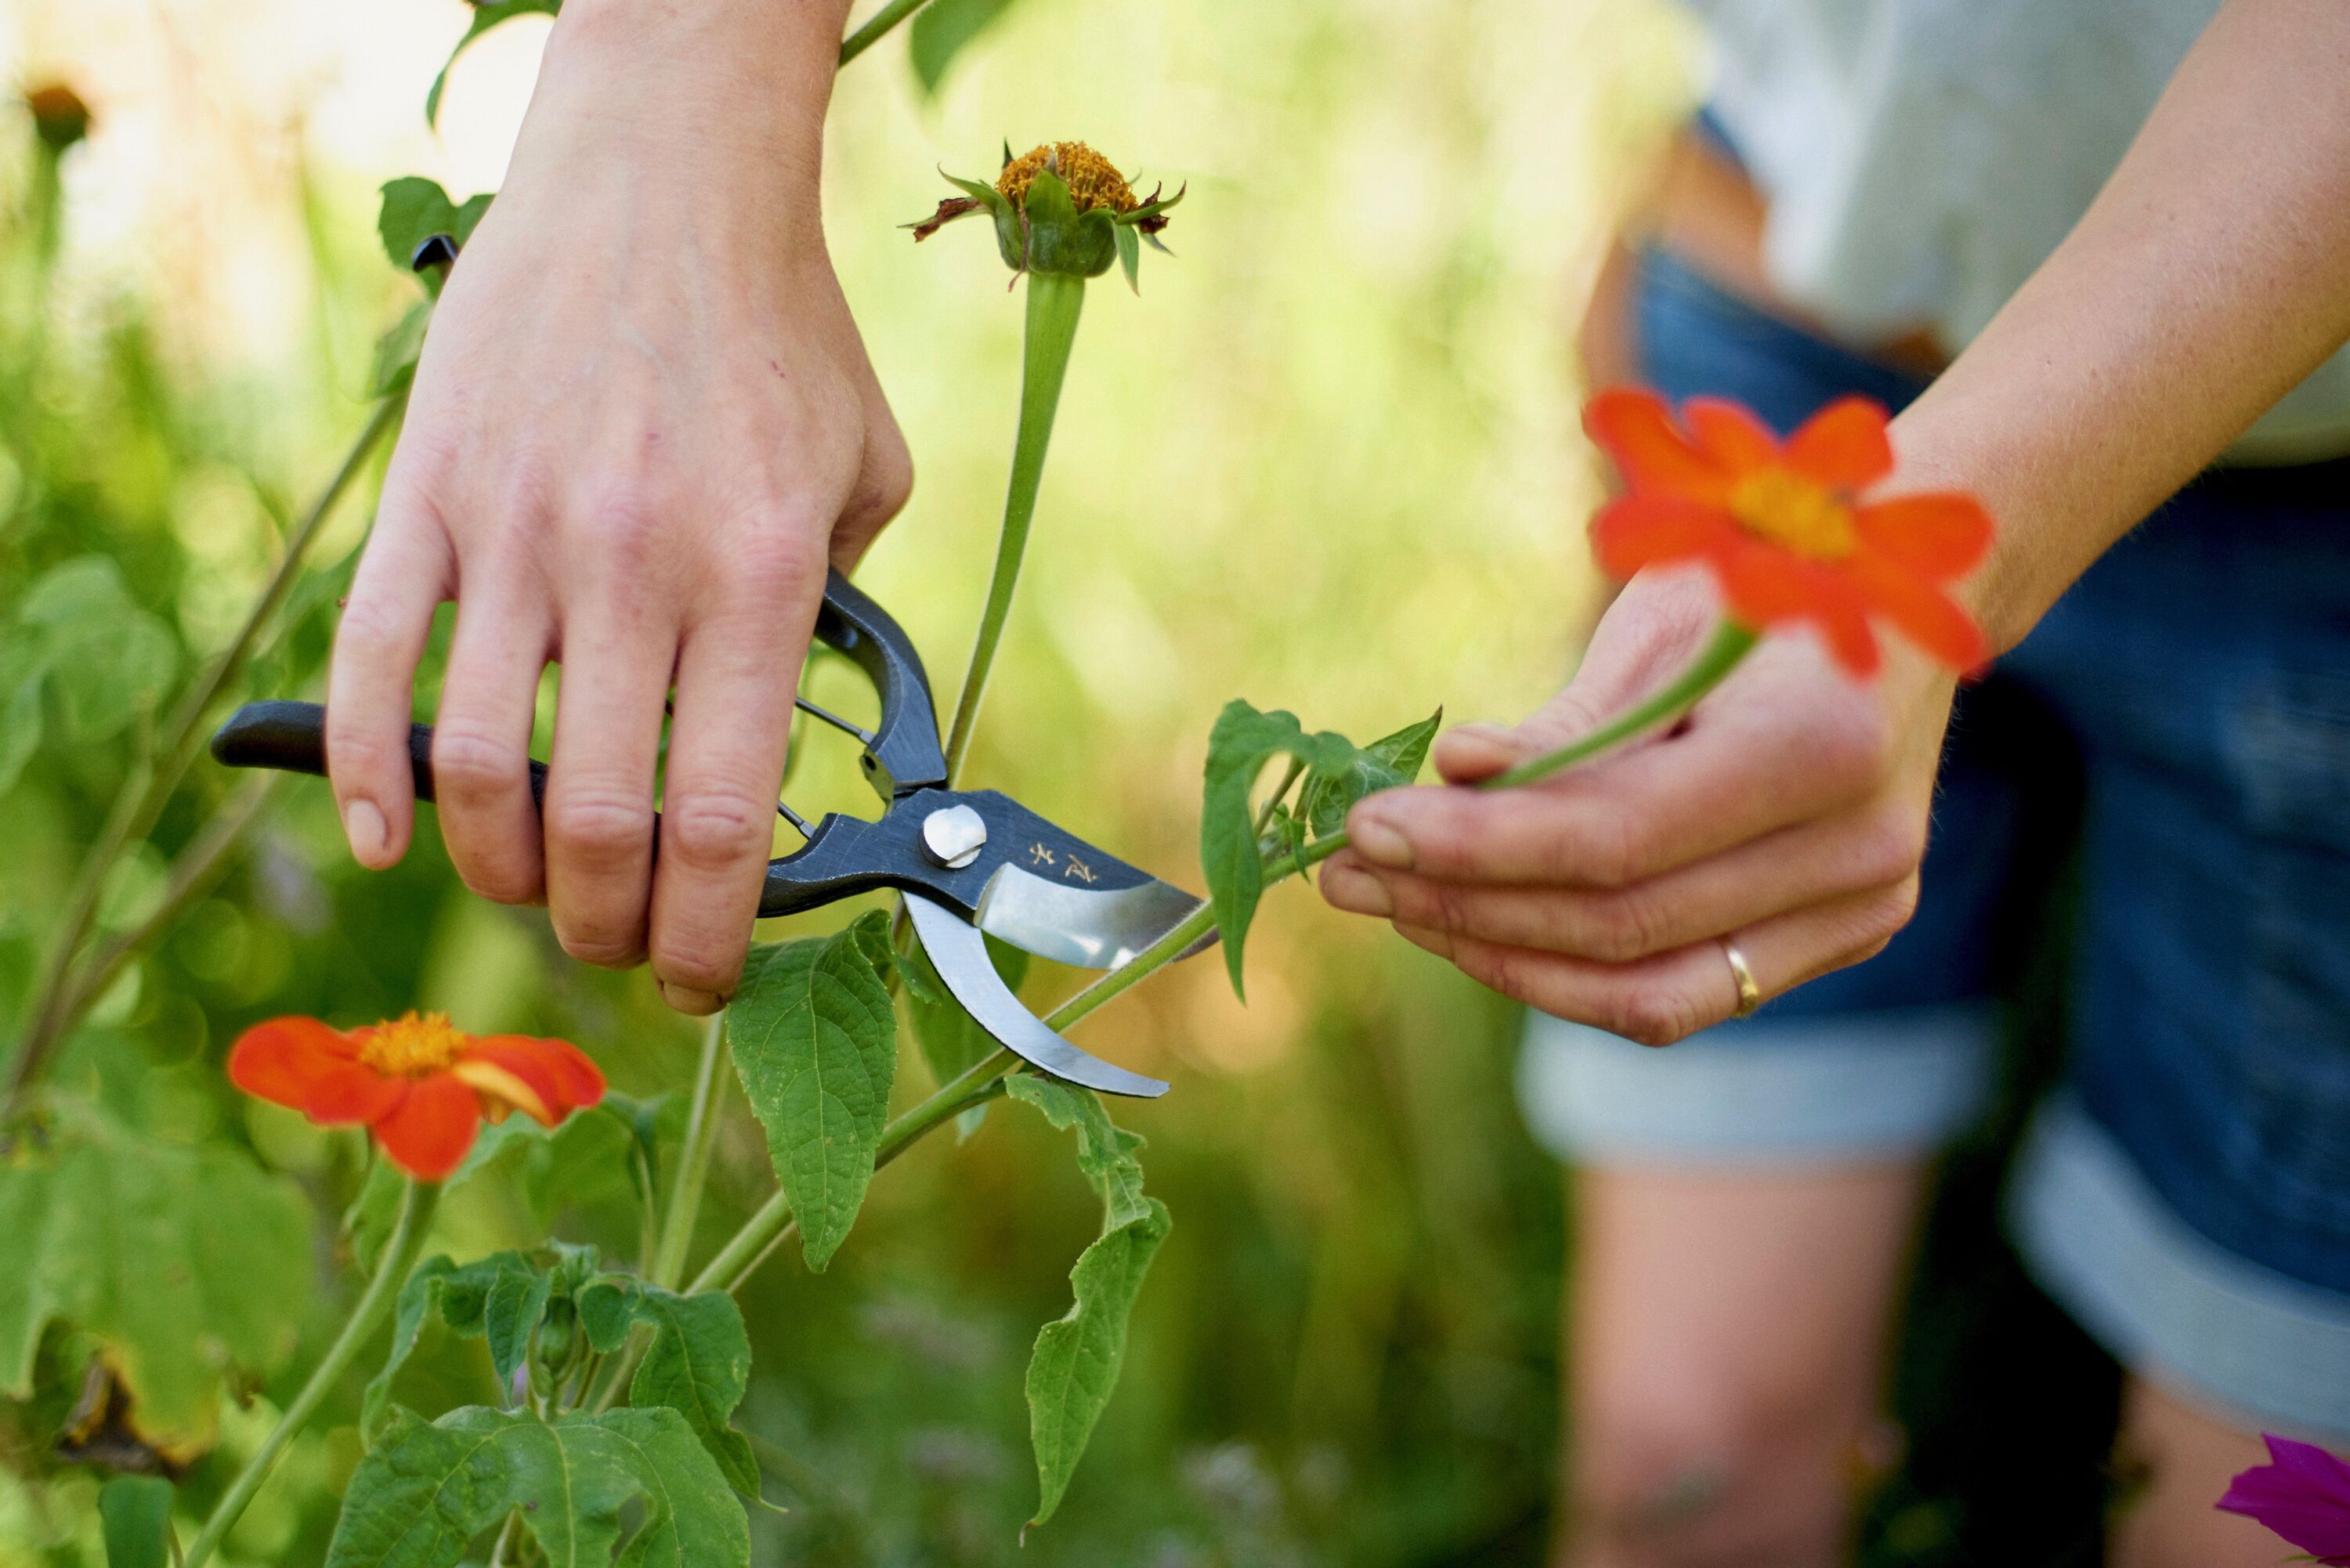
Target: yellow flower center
(1795,514)
(1093,180)
(413,1046)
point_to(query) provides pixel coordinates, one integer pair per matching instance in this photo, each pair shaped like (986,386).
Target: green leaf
(1243,741)
(814,1037)
(485,16)
(415,209)
(135,1512)
(587,1158)
(1076,1363)
(430,1489)
(1106,1151)
(106,660)
(397,351)
(941,30)
(698,1365)
(21,668)
(182,1260)
(1387,763)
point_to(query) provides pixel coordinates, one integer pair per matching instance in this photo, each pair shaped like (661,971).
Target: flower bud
(61,118)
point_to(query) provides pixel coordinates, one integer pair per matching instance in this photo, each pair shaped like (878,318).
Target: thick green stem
(54,1004)
(668,1262)
(417,1202)
(888,17)
(1054,302)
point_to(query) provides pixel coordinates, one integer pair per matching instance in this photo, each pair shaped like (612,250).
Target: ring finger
(1673,995)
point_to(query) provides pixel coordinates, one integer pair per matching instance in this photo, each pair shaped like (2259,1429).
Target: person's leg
(2182,1460)
(1726,1340)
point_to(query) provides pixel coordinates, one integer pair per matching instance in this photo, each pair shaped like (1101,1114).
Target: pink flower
(2303,1495)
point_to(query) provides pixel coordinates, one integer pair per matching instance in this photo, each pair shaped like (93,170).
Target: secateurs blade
(967,861)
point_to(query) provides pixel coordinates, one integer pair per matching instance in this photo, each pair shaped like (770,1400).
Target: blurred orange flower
(420,1085)
(1781,522)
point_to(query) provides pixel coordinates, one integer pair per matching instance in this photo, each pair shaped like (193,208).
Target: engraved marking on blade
(1079,869)
(1039,856)
(953,836)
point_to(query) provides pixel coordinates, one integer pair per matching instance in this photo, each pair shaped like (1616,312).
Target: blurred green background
(1327,462)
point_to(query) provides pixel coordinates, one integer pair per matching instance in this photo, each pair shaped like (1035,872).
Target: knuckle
(361,755)
(1851,745)
(1610,852)
(1654,1014)
(1623,926)
(599,827)
(502,880)
(714,830)
(605,950)
(368,629)
(621,524)
(700,962)
(776,562)
(470,763)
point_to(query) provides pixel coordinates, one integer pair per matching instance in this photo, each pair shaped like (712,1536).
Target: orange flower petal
(1634,428)
(353,1095)
(1731,435)
(1646,530)
(1924,614)
(573,1081)
(1767,587)
(281,1060)
(502,1090)
(1843,446)
(1938,536)
(429,1134)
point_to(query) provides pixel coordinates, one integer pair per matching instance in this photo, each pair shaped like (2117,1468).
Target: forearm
(2210,275)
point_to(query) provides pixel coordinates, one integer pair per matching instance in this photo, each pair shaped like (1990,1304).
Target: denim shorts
(2171,744)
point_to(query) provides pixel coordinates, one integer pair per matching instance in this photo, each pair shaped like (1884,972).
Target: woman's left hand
(1788,813)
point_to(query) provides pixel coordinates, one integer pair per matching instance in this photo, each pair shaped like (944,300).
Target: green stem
(417,1202)
(870,34)
(1730,643)
(1054,302)
(667,1262)
(54,1006)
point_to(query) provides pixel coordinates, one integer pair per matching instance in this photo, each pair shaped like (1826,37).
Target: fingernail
(686,1000)
(363,826)
(1380,843)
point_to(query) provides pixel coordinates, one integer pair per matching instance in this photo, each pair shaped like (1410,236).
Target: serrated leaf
(698,1365)
(180,1261)
(485,16)
(501,1297)
(135,1514)
(941,30)
(1075,1366)
(815,1039)
(429,1488)
(1106,1151)
(1243,741)
(1387,763)
(587,1156)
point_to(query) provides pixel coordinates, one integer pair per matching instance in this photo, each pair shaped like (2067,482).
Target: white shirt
(1922,157)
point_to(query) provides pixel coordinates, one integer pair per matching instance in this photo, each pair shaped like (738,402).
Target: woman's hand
(642,424)
(1788,812)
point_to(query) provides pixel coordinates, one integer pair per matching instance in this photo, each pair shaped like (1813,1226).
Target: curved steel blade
(958,953)
(1090,928)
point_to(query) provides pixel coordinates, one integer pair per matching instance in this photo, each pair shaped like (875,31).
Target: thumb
(1477,752)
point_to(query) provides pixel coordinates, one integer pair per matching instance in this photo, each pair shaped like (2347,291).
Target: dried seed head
(59,115)
(1093,180)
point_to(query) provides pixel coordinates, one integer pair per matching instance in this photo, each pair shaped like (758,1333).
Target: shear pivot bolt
(953,836)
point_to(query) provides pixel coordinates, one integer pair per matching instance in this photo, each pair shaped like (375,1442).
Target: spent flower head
(2302,1494)
(420,1085)
(1060,208)
(61,118)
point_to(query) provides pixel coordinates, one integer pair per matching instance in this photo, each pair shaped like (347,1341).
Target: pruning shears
(967,861)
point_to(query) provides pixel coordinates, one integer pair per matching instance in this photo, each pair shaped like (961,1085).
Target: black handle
(904,754)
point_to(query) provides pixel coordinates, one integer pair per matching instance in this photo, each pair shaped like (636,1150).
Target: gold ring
(1750,995)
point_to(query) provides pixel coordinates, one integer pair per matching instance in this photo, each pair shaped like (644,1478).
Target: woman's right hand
(643,423)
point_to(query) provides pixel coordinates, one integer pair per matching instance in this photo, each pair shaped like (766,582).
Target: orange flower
(419,1085)
(1780,523)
